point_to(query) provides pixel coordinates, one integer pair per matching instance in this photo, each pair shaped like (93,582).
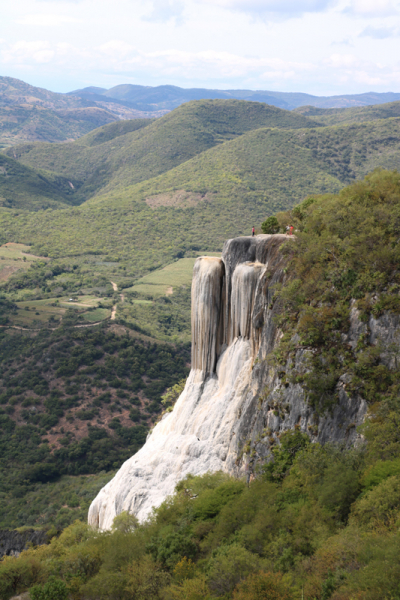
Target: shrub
(379,506)
(229,566)
(125,522)
(379,472)
(146,578)
(18,574)
(189,589)
(270,225)
(210,502)
(263,586)
(53,589)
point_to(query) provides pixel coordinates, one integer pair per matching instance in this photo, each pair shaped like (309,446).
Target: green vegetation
(30,123)
(74,401)
(31,114)
(130,158)
(52,505)
(316,533)
(336,116)
(345,258)
(14,258)
(319,522)
(232,184)
(23,187)
(77,401)
(160,282)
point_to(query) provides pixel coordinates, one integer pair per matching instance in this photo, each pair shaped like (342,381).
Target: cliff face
(14,542)
(235,401)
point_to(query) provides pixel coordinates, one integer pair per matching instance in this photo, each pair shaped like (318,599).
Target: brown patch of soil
(6,272)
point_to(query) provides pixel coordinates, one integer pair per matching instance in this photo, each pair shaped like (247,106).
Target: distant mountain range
(168,97)
(31,114)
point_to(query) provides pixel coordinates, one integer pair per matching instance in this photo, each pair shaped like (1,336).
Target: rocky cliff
(236,400)
(14,542)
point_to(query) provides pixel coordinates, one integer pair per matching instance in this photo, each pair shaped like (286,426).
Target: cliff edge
(235,403)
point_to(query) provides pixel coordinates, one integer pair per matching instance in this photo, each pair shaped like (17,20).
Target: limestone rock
(233,395)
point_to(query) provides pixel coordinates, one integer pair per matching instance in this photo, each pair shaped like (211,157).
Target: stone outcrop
(13,542)
(235,402)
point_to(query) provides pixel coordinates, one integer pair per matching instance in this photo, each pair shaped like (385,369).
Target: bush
(379,472)
(264,586)
(189,589)
(379,506)
(146,579)
(18,574)
(209,504)
(53,589)
(270,225)
(229,566)
(125,522)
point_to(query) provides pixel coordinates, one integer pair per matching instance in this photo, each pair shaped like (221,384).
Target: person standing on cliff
(253,231)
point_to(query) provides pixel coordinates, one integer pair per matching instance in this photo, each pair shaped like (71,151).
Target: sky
(321,47)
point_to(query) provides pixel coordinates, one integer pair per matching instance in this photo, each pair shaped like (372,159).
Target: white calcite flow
(235,400)
(199,434)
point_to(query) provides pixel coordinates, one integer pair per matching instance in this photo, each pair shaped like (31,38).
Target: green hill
(19,124)
(219,189)
(335,116)
(15,92)
(157,146)
(24,187)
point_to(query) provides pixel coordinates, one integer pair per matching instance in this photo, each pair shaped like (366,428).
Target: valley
(99,237)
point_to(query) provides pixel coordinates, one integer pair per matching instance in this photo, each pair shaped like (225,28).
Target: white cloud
(339,61)
(23,52)
(122,58)
(218,68)
(43,20)
(255,44)
(165,10)
(343,42)
(373,8)
(380,33)
(282,8)
(116,48)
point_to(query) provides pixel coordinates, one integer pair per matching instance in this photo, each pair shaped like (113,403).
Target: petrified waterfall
(207,324)
(232,393)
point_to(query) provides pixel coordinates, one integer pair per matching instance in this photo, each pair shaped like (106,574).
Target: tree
(125,522)
(263,586)
(270,225)
(54,589)
(291,442)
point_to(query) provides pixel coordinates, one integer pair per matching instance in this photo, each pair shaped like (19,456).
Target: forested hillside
(316,522)
(32,189)
(335,116)
(155,147)
(103,233)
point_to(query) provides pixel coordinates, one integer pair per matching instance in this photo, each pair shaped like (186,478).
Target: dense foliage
(344,265)
(229,185)
(75,401)
(318,522)
(328,529)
